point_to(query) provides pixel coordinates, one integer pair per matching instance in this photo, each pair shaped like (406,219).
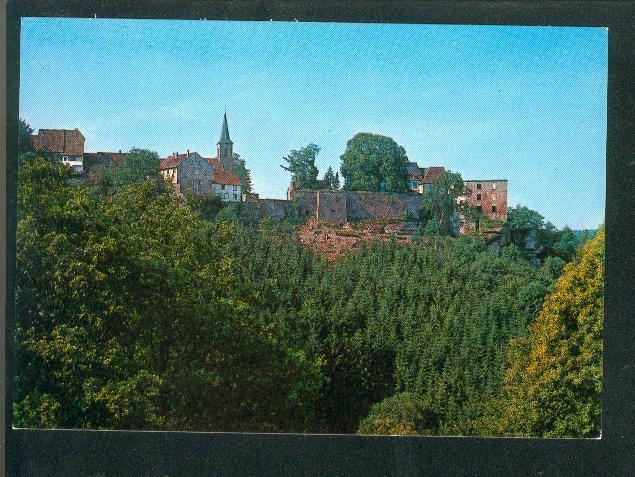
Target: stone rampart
(382,206)
(331,206)
(344,206)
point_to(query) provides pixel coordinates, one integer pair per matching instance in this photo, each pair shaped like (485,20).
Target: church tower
(224,148)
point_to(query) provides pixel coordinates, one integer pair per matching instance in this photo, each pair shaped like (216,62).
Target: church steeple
(224,147)
(224,132)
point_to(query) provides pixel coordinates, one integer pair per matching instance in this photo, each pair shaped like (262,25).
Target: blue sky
(527,104)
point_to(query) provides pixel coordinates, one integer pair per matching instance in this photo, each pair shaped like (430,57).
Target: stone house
(489,196)
(67,145)
(204,175)
(421,178)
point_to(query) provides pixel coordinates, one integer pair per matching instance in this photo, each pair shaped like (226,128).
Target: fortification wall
(306,202)
(277,208)
(342,206)
(378,206)
(331,207)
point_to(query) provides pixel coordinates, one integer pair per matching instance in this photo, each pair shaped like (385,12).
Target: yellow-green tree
(553,381)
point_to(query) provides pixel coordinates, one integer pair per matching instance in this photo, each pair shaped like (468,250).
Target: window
(478,186)
(413,185)
(223,187)
(493,195)
(493,208)
(235,188)
(493,185)
(479,208)
(226,195)
(478,196)
(235,196)
(427,187)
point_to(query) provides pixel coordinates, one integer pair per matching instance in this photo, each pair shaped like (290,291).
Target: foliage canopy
(375,163)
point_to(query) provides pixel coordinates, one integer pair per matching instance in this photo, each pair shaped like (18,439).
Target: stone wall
(378,206)
(490,196)
(344,206)
(306,202)
(276,208)
(331,207)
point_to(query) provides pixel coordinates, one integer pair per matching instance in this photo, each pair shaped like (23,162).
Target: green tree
(523,217)
(25,143)
(301,165)
(440,202)
(244,174)
(129,317)
(402,414)
(374,163)
(553,383)
(553,242)
(331,179)
(473,217)
(139,166)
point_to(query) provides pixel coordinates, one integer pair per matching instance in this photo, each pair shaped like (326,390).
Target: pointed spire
(224,133)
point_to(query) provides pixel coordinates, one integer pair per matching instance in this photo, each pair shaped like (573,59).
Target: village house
(420,179)
(205,175)
(67,145)
(489,197)
(95,159)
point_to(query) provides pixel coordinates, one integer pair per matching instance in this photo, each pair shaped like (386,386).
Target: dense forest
(136,311)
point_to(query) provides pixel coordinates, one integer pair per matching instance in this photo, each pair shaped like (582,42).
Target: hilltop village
(201,175)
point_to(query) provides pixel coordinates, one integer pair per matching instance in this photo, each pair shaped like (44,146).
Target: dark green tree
(472,217)
(440,202)
(374,163)
(331,179)
(139,166)
(301,165)
(244,174)
(523,217)
(402,414)
(25,143)
(129,317)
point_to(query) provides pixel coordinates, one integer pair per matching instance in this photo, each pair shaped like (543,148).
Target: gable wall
(199,183)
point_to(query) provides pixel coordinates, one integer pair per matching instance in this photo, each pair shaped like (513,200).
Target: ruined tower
(224,147)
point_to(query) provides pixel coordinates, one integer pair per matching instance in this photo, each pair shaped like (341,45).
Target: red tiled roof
(221,176)
(116,157)
(225,178)
(172,161)
(431,174)
(63,141)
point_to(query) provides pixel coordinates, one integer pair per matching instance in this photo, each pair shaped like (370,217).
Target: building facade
(488,197)
(203,175)
(67,145)
(420,179)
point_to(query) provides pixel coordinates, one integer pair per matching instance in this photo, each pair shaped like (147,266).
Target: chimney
(188,153)
(119,151)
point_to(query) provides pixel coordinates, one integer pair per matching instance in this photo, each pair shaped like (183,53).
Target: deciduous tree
(374,163)
(301,165)
(440,204)
(244,174)
(553,382)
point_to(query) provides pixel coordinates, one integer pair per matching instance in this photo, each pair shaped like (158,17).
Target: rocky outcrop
(526,239)
(333,241)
